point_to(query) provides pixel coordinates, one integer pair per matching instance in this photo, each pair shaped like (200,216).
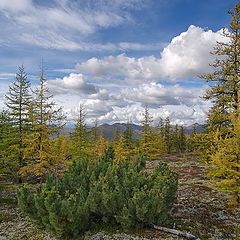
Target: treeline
(31,144)
(29,148)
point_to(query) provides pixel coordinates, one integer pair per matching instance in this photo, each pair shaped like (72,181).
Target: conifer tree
(181,140)
(117,135)
(224,81)
(223,119)
(100,146)
(81,136)
(225,161)
(18,100)
(129,142)
(120,150)
(128,135)
(7,153)
(175,139)
(168,134)
(47,120)
(151,144)
(60,155)
(146,134)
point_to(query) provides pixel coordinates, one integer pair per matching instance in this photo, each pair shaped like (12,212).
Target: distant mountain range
(109,130)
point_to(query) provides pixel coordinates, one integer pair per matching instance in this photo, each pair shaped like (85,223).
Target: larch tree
(151,144)
(181,146)
(224,81)
(225,161)
(100,146)
(167,134)
(18,100)
(47,121)
(80,136)
(60,155)
(129,142)
(223,120)
(120,150)
(7,165)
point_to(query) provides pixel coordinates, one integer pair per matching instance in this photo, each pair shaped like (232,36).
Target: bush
(101,192)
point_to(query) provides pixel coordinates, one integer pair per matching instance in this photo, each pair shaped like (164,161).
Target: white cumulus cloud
(186,56)
(75,83)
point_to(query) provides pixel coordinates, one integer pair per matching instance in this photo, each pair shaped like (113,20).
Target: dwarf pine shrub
(100,191)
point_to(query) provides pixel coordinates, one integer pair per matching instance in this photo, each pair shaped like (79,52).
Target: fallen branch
(176,232)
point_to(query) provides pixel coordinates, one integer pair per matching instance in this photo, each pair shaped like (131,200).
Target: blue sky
(115,56)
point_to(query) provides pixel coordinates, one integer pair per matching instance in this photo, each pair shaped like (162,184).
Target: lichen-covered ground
(200,210)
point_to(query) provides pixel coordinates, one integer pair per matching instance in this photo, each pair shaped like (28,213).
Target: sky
(115,56)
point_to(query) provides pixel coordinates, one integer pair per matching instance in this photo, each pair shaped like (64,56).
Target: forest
(70,184)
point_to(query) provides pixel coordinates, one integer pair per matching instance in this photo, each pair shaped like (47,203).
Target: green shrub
(99,191)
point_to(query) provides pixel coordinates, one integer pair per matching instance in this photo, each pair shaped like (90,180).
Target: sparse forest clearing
(199,209)
(142,146)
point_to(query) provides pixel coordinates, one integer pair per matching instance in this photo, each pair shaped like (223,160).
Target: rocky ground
(200,210)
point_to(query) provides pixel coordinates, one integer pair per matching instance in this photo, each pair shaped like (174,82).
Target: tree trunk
(176,232)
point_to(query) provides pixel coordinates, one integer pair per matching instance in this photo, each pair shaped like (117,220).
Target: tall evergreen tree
(18,100)
(224,81)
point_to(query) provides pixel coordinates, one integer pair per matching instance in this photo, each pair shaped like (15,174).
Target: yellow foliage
(59,155)
(225,160)
(43,154)
(100,146)
(120,150)
(152,145)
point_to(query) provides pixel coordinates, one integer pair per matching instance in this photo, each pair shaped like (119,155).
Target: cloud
(189,53)
(65,25)
(6,76)
(154,81)
(119,66)
(73,83)
(15,5)
(3,87)
(182,115)
(183,106)
(56,41)
(186,56)
(154,95)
